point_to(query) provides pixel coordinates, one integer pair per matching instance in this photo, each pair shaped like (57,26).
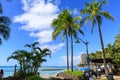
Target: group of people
(88,75)
(1,74)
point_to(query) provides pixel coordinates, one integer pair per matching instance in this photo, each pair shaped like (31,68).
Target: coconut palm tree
(4,26)
(94,13)
(67,24)
(60,27)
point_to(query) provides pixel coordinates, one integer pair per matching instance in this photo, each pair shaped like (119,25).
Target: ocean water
(45,71)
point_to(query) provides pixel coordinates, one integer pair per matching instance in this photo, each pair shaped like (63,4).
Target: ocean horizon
(45,71)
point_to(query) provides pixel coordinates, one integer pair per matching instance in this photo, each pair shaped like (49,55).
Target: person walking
(1,74)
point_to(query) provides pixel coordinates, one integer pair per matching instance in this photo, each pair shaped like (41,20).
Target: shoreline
(51,69)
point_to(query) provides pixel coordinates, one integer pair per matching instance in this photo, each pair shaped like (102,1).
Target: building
(83,59)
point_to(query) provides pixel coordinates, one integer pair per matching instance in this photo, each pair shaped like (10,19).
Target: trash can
(110,76)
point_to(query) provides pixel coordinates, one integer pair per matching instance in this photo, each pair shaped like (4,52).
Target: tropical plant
(19,56)
(117,49)
(94,13)
(37,56)
(117,40)
(32,53)
(110,51)
(69,25)
(30,61)
(96,55)
(4,26)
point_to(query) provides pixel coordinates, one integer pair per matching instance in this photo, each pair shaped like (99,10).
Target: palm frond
(5,20)
(63,35)
(11,57)
(28,45)
(38,48)
(74,33)
(34,44)
(1,10)
(4,31)
(85,11)
(46,52)
(0,41)
(81,31)
(56,32)
(93,22)
(107,15)
(73,12)
(105,1)
(84,20)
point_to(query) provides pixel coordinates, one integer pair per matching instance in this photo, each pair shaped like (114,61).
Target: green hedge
(75,73)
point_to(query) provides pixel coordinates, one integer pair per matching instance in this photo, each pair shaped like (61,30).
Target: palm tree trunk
(103,52)
(67,52)
(71,53)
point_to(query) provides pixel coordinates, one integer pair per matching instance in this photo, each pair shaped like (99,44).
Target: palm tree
(19,56)
(60,27)
(32,52)
(69,25)
(37,55)
(4,26)
(30,61)
(94,13)
(32,46)
(117,40)
(39,58)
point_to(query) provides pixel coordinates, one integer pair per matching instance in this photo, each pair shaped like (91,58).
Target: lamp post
(86,43)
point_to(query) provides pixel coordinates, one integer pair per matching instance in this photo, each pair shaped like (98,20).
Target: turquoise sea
(45,71)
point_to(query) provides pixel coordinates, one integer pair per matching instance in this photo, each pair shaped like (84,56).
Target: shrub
(105,79)
(33,78)
(74,73)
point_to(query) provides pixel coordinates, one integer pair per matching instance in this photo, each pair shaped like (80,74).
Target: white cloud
(76,59)
(53,47)
(36,19)
(44,36)
(37,15)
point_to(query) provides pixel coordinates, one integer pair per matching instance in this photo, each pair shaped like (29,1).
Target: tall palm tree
(94,13)
(60,27)
(69,25)
(4,26)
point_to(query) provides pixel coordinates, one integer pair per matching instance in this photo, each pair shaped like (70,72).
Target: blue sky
(31,22)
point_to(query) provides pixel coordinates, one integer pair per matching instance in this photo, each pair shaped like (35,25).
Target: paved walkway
(116,77)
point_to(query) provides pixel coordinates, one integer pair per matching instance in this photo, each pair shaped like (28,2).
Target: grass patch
(34,78)
(75,73)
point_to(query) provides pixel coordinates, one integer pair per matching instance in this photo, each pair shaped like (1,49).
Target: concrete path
(116,77)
